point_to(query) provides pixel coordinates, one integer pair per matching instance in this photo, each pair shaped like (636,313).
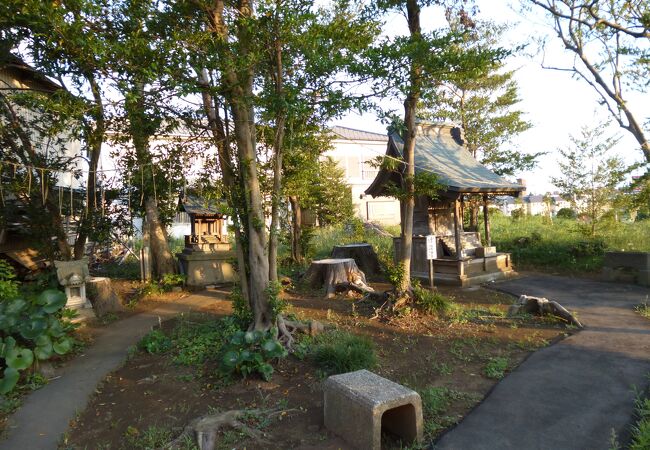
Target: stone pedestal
(206,268)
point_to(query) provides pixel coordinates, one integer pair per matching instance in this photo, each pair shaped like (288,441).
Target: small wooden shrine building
(205,260)
(462,258)
(207,219)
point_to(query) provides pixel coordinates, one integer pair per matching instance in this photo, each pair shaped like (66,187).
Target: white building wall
(353,157)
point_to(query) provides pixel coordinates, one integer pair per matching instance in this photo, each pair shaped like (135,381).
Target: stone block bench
(359,404)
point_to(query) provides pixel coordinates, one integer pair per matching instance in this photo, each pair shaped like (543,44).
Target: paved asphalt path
(571,395)
(45,414)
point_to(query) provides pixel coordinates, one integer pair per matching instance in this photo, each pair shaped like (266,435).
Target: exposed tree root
(366,291)
(286,329)
(542,306)
(205,430)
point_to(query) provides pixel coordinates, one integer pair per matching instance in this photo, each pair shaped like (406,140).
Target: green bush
(31,328)
(155,342)
(251,352)
(566,213)
(171,280)
(339,352)
(431,302)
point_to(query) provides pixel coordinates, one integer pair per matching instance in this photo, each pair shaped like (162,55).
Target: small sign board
(432,248)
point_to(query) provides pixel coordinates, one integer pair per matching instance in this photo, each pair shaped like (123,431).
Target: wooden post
(486,218)
(457,229)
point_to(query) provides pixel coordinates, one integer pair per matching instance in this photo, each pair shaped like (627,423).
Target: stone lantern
(73,275)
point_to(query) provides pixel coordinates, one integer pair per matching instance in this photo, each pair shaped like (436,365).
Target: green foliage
(496,368)
(195,343)
(483,105)
(644,308)
(155,342)
(339,352)
(251,352)
(436,401)
(589,176)
(566,213)
(240,307)
(641,430)
(431,302)
(561,245)
(171,280)
(31,328)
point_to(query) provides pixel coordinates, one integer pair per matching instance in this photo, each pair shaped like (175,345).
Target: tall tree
(483,106)
(406,67)
(590,177)
(57,40)
(609,40)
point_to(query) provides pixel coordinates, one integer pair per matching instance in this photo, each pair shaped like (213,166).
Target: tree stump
(330,272)
(103,297)
(363,254)
(542,306)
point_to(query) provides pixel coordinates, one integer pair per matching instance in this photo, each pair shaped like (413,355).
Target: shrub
(340,352)
(171,280)
(592,247)
(155,342)
(250,352)
(566,213)
(31,328)
(431,302)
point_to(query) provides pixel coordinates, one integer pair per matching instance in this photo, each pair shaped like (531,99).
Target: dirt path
(575,394)
(44,417)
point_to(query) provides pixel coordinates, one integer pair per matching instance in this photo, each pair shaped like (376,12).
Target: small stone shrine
(205,260)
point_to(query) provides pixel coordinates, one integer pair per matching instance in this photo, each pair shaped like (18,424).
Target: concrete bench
(359,404)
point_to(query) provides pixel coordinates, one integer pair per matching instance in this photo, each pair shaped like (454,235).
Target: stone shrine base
(206,268)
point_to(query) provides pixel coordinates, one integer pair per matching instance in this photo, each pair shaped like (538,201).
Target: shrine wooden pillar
(486,219)
(457,229)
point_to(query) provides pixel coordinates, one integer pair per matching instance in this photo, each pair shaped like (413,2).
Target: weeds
(641,430)
(431,302)
(644,308)
(436,402)
(339,352)
(496,368)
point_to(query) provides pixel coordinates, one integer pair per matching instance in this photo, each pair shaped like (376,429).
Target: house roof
(352,134)
(198,206)
(439,150)
(27,73)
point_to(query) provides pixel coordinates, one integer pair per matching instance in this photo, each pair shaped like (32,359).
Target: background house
(353,150)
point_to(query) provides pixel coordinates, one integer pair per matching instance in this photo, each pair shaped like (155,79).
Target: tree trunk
(296,229)
(277,161)
(410,111)
(95,138)
(162,259)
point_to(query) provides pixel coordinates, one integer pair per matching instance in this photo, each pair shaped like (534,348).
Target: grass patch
(496,368)
(644,309)
(641,430)
(431,302)
(535,242)
(339,352)
(193,341)
(436,403)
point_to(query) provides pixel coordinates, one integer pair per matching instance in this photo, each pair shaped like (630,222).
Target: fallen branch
(541,307)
